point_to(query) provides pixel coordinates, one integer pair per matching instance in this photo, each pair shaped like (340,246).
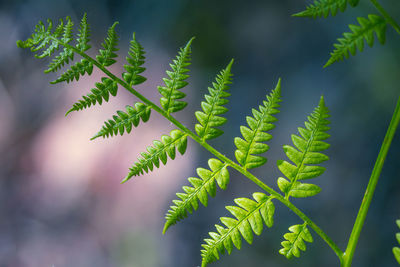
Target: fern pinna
(249,215)
(359,34)
(396,250)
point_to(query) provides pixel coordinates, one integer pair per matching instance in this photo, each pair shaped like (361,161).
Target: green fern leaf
(249,216)
(100,93)
(295,240)
(354,40)
(107,55)
(123,121)
(309,146)
(353,2)
(67,54)
(199,191)
(214,106)
(257,133)
(159,151)
(176,81)
(135,60)
(322,8)
(396,250)
(83,35)
(80,68)
(43,39)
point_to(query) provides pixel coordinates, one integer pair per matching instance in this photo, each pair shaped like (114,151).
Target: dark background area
(61,203)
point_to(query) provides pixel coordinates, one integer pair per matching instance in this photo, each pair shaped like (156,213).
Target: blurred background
(61,203)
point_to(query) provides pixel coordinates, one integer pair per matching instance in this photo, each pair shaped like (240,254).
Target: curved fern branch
(102,91)
(249,216)
(308,150)
(257,133)
(396,250)
(135,60)
(214,106)
(124,121)
(199,191)
(295,240)
(170,92)
(80,68)
(44,37)
(354,40)
(159,151)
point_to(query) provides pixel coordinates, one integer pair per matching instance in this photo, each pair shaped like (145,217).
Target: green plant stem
(386,15)
(362,213)
(215,152)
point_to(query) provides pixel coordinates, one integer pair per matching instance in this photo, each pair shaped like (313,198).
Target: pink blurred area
(78,213)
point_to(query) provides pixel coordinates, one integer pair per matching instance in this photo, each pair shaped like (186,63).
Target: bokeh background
(61,203)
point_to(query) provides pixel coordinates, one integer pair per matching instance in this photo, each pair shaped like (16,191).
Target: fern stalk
(211,149)
(369,192)
(386,15)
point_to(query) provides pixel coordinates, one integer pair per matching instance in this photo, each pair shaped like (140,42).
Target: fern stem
(369,192)
(386,15)
(211,149)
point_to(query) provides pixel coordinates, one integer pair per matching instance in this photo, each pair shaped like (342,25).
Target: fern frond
(309,146)
(199,191)
(257,133)
(396,250)
(214,106)
(354,40)
(107,55)
(159,151)
(83,35)
(249,216)
(322,8)
(135,60)
(295,240)
(123,121)
(170,92)
(102,91)
(75,71)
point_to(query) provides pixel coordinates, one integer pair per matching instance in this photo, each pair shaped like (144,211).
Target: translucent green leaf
(354,40)
(158,152)
(83,35)
(295,240)
(106,56)
(97,95)
(199,191)
(322,8)
(255,134)
(307,151)
(136,60)
(396,250)
(214,106)
(170,101)
(124,121)
(249,218)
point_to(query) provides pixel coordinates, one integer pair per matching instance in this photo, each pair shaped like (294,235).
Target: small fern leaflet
(249,216)
(213,106)
(159,151)
(198,192)
(322,8)
(308,150)
(107,55)
(354,40)
(170,92)
(102,91)
(396,250)
(135,60)
(257,133)
(123,121)
(83,35)
(75,71)
(295,240)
